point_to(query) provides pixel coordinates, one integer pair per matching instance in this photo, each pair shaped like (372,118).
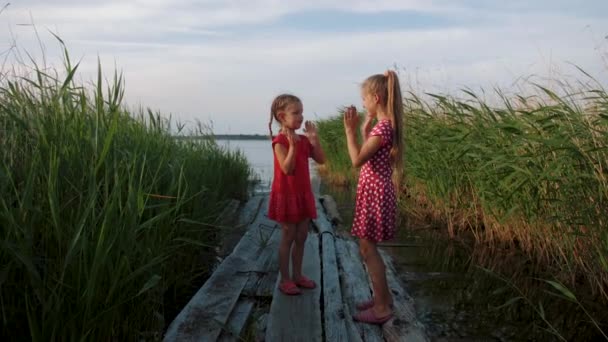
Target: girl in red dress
(375,208)
(292,202)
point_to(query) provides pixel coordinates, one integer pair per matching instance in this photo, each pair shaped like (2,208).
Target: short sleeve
(384,130)
(280,139)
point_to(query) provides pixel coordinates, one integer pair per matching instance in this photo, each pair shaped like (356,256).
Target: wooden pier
(241,300)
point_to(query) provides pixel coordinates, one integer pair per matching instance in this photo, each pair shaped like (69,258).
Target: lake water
(260,157)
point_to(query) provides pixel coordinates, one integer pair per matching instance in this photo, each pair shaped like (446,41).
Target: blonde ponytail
(387,87)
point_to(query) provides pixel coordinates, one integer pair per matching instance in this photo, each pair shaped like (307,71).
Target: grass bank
(106,219)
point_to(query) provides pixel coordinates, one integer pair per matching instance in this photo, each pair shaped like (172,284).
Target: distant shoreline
(226,137)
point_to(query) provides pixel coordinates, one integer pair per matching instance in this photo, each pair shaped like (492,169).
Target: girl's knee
(367,249)
(289,231)
(364,251)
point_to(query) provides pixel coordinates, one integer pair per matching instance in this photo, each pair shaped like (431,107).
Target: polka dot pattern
(375,207)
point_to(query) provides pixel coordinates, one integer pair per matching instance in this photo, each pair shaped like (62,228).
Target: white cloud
(232,79)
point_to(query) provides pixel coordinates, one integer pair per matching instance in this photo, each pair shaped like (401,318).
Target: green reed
(104,214)
(529,172)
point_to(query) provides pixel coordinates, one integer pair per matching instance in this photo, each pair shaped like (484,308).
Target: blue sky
(224,61)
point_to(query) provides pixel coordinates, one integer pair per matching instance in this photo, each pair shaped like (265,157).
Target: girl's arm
(358,156)
(287,156)
(366,128)
(311,133)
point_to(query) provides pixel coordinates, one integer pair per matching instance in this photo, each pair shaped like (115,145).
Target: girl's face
(292,117)
(370,102)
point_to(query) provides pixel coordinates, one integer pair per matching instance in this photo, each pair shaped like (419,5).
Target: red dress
(291,198)
(376,204)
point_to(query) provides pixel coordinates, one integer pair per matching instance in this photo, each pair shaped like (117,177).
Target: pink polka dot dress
(375,207)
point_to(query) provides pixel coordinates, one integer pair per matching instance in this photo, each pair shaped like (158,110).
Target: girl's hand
(310,129)
(351,119)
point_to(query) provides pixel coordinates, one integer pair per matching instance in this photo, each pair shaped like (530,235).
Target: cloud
(225,61)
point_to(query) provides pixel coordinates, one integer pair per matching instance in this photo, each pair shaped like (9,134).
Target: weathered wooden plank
(322,223)
(268,279)
(254,240)
(405,325)
(237,320)
(259,325)
(355,289)
(331,209)
(298,318)
(231,229)
(333,307)
(264,272)
(206,313)
(251,209)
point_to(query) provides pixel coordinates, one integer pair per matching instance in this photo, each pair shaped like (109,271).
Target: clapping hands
(310,130)
(351,119)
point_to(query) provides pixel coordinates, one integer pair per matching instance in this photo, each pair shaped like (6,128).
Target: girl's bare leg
(377,272)
(288,235)
(297,253)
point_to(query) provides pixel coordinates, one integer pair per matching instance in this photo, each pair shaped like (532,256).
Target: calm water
(260,157)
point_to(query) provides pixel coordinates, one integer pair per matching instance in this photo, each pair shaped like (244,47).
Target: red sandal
(289,288)
(306,283)
(368,316)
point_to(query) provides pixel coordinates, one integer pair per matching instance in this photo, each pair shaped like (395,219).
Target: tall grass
(338,170)
(529,173)
(532,173)
(105,217)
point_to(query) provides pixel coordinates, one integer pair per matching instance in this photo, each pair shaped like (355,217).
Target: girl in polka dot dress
(378,156)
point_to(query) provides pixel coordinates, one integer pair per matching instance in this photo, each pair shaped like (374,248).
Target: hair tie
(386,73)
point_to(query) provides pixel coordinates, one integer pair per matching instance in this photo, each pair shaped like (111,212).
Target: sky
(223,62)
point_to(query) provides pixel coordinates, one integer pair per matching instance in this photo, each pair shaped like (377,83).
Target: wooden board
(250,210)
(322,223)
(333,307)
(232,225)
(298,318)
(331,209)
(264,272)
(254,240)
(405,325)
(268,279)
(237,320)
(206,313)
(355,289)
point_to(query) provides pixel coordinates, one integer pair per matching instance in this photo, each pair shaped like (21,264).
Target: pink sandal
(365,305)
(368,316)
(289,288)
(306,283)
